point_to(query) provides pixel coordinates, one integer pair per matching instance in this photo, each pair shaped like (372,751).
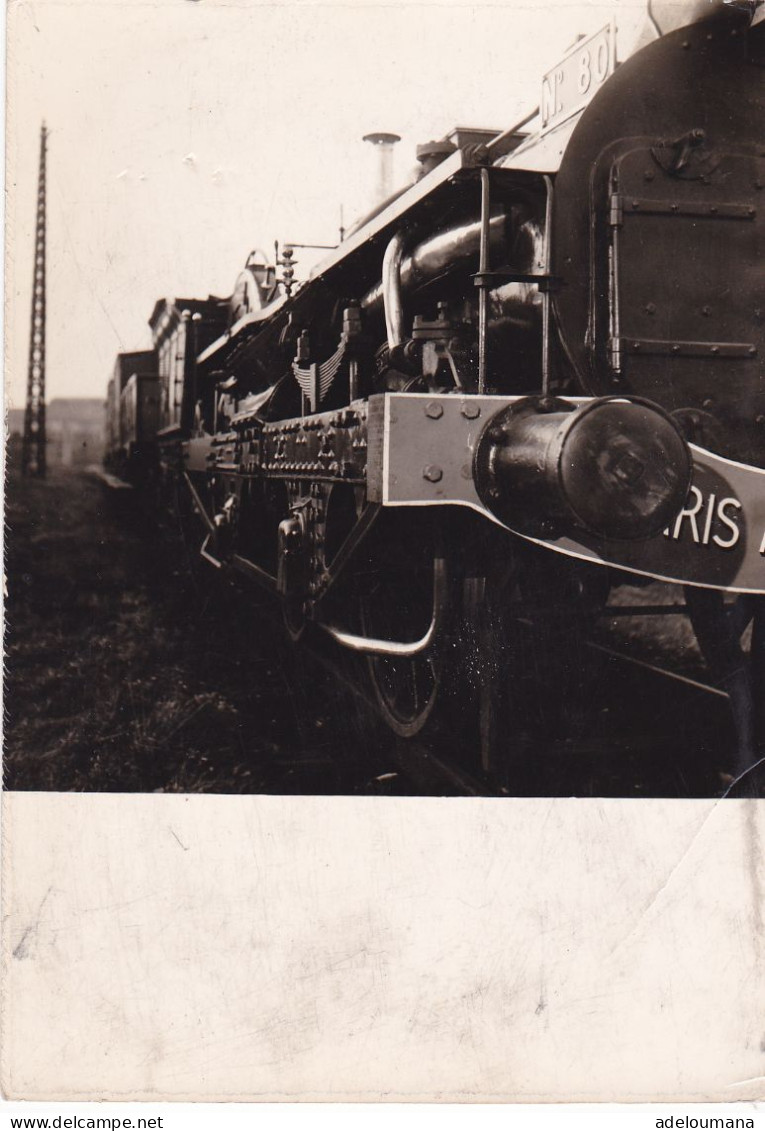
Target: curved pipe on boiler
(446,251)
(392,291)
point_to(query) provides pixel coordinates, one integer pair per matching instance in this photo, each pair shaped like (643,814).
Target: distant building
(74,429)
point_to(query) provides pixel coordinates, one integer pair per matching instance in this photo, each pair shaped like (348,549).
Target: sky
(185,133)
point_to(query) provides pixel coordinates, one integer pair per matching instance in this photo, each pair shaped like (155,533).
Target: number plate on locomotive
(571,84)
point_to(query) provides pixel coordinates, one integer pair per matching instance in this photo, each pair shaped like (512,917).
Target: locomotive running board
(241,565)
(199,507)
(421,450)
(236,561)
(204,553)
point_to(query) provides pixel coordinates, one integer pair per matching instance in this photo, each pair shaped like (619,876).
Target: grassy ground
(122,675)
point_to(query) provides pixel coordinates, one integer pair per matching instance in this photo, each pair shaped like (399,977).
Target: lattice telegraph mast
(33,451)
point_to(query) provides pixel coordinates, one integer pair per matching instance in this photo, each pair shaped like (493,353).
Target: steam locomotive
(533,376)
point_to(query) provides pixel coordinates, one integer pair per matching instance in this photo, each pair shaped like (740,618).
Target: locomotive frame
(465,378)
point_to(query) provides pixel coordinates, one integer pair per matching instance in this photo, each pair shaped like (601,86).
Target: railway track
(623,754)
(147,652)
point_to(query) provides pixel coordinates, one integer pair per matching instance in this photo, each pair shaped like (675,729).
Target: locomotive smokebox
(618,468)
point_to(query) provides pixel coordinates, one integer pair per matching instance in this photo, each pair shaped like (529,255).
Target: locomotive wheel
(719,629)
(536,680)
(406,689)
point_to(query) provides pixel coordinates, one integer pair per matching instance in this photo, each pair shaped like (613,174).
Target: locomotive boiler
(531,377)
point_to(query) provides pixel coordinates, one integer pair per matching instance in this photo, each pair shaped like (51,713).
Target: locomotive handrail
(483,284)
(495,145)
(545,291)
(485,279)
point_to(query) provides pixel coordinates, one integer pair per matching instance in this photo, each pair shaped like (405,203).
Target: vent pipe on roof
(383,143)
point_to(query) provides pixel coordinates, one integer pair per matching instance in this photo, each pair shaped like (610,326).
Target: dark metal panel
(684,320)
(677,130)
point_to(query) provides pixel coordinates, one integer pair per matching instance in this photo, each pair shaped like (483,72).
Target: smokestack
(383,143)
